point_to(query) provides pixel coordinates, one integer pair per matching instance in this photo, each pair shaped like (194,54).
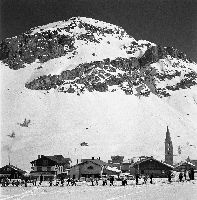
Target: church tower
(168,149)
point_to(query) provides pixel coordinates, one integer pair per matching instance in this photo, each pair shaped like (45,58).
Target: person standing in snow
(62,181)
(92,181)
(17,183)
(180,176)
(73,182)
(34,181)
(189,173)
(169,176)
(111,180)
(185,175)
(145,178)
(192,174)
(151,178)
(41,179)
(50,181)
(104,181)
(26,182)
(137,177)
(96,180)
(68,181)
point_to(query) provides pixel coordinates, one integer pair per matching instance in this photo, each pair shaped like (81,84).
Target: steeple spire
(168,133)
(168,148)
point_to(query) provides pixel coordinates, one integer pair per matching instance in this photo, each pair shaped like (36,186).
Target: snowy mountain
(86,80)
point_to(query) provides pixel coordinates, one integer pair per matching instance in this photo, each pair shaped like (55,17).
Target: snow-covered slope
(85,80)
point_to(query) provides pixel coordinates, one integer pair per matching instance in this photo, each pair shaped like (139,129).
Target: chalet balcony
(43,168)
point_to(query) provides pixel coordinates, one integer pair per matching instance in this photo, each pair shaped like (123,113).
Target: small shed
(182,166)
(152,166)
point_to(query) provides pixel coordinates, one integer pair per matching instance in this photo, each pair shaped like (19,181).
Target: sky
(165,22)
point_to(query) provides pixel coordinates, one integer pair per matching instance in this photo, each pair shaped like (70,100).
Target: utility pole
(9,158)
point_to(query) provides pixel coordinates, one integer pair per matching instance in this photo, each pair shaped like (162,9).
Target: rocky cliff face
(132,73)
(42,44)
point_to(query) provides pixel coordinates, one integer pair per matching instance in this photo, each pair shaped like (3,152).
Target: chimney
(38,156)
(99,158)
(77,161)
(92,158)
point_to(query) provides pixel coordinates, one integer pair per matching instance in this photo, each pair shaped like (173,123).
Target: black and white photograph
(98,99)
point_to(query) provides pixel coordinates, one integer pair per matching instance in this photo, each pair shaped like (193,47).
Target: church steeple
(167,132)
(168,148)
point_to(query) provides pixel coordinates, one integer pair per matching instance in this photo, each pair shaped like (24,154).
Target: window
(39,169)
(60,168)
(8,169)
(90,167)
(48,169)
(45,162)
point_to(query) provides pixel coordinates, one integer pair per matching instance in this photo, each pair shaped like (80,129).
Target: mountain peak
(76,22)
(70,75)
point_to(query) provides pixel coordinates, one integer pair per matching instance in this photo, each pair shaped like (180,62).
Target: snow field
(160,191)
(114,119)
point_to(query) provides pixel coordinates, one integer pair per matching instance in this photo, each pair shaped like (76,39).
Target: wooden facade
(94,168)
(184,166)
(50,166)
(152,166)
(11,172)
(87,169)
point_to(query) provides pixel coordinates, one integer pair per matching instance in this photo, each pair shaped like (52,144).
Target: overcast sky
(165,22)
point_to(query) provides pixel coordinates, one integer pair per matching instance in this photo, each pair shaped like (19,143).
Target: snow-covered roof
(95,161)
(13,167)
(168,165)
(114,169)
(151,158)
(185,163)
(124,174)
(56,158)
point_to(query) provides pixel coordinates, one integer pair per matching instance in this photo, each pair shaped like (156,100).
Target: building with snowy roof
(151,166)
(11,172)
(119,162)
(194,162)
(182,166)
(50,166)
(94,168)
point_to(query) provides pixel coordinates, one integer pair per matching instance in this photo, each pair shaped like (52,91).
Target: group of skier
(145,178)
(182,176)
(190,175)
(6,182)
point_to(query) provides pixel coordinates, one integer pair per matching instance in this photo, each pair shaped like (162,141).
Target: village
(55,170)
